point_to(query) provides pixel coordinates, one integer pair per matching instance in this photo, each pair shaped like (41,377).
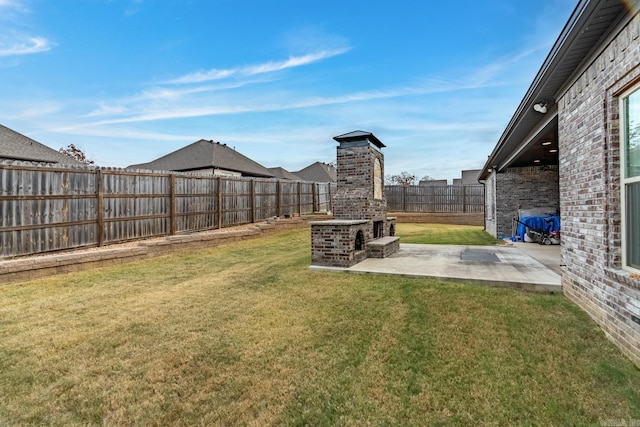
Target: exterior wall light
(540,107)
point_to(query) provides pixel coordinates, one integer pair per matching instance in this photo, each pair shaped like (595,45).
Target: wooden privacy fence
(48,208)
(436,198)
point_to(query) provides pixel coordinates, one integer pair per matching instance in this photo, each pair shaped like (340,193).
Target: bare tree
(76,153)
(403,178)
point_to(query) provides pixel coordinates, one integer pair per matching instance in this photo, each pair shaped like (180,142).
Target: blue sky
(131,80)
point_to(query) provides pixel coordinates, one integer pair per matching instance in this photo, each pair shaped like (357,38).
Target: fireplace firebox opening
(359,240)
(378,229)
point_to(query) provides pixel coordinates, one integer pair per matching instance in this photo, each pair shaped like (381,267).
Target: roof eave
(567,36)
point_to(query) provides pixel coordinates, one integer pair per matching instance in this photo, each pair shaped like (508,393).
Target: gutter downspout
(484,211)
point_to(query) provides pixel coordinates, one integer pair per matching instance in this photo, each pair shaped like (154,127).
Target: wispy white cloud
(166,101)
(423,126)
(182,113)
(490,71)
(133,8)
(145,112)
(106,109)
(13,4)
(13,42)
(121,133)
(154,95)
(164,93)
(252,70)
(31,109)
(25,46)
(293,61)
(162,103)
(396,114)
(202,76)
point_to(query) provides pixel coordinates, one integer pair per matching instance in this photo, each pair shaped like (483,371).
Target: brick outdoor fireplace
(360,227)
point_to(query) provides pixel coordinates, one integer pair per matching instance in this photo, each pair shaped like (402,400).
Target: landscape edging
(33,267)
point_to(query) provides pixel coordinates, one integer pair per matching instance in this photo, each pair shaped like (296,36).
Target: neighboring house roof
(205,154)
(359,135)
(282,173)
(586,29)
(318,172)
(15,146)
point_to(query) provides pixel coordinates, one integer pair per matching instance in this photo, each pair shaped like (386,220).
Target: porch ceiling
(538,149)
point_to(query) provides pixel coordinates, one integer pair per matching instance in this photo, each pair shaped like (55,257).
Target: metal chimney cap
(359,135)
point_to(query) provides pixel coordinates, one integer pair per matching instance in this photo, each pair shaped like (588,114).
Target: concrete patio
(527,266)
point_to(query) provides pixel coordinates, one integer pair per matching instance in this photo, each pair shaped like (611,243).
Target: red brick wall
(354,198)
(589,154)
(522,188)
(334,244)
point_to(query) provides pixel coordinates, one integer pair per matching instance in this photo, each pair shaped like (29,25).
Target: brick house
(573,144)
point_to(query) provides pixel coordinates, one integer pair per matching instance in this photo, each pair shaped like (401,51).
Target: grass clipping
(245,334)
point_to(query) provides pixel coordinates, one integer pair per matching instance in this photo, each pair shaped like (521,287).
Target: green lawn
(445,234)
(245,334)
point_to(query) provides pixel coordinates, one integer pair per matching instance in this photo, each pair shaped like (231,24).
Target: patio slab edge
(519,285)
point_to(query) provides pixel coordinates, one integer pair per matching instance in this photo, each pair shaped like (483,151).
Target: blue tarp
(545,224)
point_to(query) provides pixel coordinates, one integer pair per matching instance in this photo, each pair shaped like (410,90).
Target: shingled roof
(318,172)
(15,146)
(205,154)
(282,173)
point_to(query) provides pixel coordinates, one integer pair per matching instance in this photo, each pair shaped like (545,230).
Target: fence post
(253,200)
(100,206)
(315,197)
(278,204)
(330,204)
(172,204)
(464,199)
(219,202)
(300,198)
(404,198)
